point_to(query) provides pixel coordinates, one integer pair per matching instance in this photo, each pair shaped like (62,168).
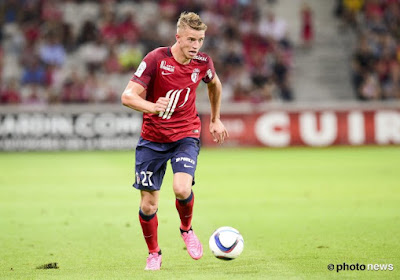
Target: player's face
(190,41)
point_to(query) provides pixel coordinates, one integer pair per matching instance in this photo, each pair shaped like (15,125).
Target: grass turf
(298,209)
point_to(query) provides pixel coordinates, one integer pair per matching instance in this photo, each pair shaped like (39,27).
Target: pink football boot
(193,245)
(153,261)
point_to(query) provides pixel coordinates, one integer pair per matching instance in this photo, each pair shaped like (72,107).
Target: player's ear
(177,37)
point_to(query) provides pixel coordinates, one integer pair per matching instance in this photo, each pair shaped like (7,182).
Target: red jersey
(162,76)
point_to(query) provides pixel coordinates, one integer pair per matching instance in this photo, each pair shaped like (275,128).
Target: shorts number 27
(145,178)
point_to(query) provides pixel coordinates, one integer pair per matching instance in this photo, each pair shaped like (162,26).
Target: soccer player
(164,89)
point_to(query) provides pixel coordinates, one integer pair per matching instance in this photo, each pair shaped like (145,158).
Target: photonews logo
(362,267)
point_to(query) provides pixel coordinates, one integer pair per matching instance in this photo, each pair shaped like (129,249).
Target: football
(226,243)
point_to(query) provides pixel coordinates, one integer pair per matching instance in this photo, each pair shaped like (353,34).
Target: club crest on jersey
(195,75)
(167,67)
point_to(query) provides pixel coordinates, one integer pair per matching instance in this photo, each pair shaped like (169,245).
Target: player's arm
(217,128)
(134,98)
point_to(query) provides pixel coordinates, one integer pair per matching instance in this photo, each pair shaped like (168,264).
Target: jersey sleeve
(210,72)
(146,70)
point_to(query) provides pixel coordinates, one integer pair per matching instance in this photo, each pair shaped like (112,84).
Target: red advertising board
(281,128)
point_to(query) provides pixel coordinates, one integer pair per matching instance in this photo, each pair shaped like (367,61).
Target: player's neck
(178,55)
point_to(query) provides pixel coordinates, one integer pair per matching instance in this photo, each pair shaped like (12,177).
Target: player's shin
(185,210)
(149,225)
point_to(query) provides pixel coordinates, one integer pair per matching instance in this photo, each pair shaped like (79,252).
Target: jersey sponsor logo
(173,96)
(166,73)
(188,166)
(140,69)
(165,66)
(195,75)
(202,58)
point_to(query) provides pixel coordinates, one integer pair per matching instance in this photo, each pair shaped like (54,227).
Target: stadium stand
(321,72)
(326,56)
(376,57)
(77,51)
(85,51)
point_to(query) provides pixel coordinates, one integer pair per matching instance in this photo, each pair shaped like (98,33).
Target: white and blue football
(226,243)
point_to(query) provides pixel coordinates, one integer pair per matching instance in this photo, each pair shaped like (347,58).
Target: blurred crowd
(76,51)
(376,59)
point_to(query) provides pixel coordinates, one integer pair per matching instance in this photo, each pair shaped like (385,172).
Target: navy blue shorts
(152,158)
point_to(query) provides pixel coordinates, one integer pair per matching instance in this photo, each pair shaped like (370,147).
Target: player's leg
(149,223)
(148,219)
(150,169)
(184,164)
(184,204)
(182,185)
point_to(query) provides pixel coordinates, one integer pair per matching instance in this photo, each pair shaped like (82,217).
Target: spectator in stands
(351,10)
(165,29)
(93,54)
(67,37)
(97,89)
(1,62)
(370,88)
(238,84)
(33,94)
(10,93)
(391,88)
(392,18)
(109,29)
(273,27)
(72,90)
(34,73)
(51,11)
(129,57)
(87,33)
(362,63)
(112,63)
(10,11)
(374,21)
(282,77)
(260,70)
(31,30)
(307,25)
(30,11)
(14,37)
(52,52)
(264,93)
(29,54)
(128,30)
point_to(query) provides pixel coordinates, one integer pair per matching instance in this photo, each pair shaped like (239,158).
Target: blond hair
(192,20)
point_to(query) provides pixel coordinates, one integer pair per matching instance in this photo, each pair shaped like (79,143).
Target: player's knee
(182,191)
(149,208)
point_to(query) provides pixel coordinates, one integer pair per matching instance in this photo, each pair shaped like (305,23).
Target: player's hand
(218,131)
(161,105)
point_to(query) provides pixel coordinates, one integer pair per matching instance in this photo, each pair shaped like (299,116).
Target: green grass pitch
(298,209)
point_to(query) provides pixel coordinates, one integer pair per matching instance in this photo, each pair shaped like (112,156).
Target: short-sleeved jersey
(162,76)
